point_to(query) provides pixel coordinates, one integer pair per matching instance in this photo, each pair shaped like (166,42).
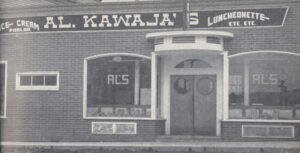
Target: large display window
(265,86)
(118,86)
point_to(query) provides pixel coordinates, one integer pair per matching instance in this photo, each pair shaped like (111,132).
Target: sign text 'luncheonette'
(241,18)
(163,20)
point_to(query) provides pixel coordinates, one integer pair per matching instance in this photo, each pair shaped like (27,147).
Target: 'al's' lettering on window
(118,86)
(265,86)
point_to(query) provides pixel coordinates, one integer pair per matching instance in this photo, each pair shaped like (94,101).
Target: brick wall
(57,115)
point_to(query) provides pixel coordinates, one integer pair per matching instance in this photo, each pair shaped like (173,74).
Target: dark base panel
(232,131)
(81,131)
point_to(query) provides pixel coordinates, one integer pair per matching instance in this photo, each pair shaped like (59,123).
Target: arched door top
(193,63)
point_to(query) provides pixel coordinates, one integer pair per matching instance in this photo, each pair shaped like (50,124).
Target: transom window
(193,63)
(37,81)
(183,39)
(213,40)
(118,86)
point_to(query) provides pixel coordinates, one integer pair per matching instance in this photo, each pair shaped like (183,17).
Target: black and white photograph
(149,76)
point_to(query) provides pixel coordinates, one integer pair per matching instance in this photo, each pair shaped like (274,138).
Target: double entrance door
(193,105)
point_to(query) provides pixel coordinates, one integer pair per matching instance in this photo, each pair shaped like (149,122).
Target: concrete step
(187,138)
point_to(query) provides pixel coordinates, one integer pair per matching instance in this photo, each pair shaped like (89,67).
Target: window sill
(120,118)
(261,121)
(37,88)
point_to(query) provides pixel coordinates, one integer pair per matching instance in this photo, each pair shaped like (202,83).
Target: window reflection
(118,86)
(182,86)
(265,86)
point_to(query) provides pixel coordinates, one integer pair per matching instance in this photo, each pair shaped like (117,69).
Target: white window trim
(37,88)
(5,90)
(262,121)
(85,70)
(266,126)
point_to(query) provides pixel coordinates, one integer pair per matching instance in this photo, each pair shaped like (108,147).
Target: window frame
(5,90)
(85,82)
(37,87)
(246,85)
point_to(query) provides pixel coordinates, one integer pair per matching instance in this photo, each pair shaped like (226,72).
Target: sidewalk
(285,144)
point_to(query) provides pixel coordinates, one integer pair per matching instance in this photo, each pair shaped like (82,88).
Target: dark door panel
(205,105)
(181,105)
(193,105)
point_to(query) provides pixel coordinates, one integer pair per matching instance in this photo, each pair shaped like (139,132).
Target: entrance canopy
(188,69)
(189,40)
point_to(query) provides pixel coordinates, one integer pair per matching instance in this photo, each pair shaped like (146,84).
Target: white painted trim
(39,87)
(114,127)
(116,54)
(268,126)
(262,121)
(167,98)
(225,86)
(5,89)
(85,70)
(189,32)
(118,118)
(189,52)
(263,52)
(136,83)
(200,44)
(219,98)
(220,71)
(153,86)
(246,82)
(222,44)
(286,12)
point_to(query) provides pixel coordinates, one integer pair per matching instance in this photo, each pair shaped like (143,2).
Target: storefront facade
(142,71)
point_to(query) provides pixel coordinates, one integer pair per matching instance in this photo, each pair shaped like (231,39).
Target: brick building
(144,70)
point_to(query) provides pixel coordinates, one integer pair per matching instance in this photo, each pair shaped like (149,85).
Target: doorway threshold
(187,138)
